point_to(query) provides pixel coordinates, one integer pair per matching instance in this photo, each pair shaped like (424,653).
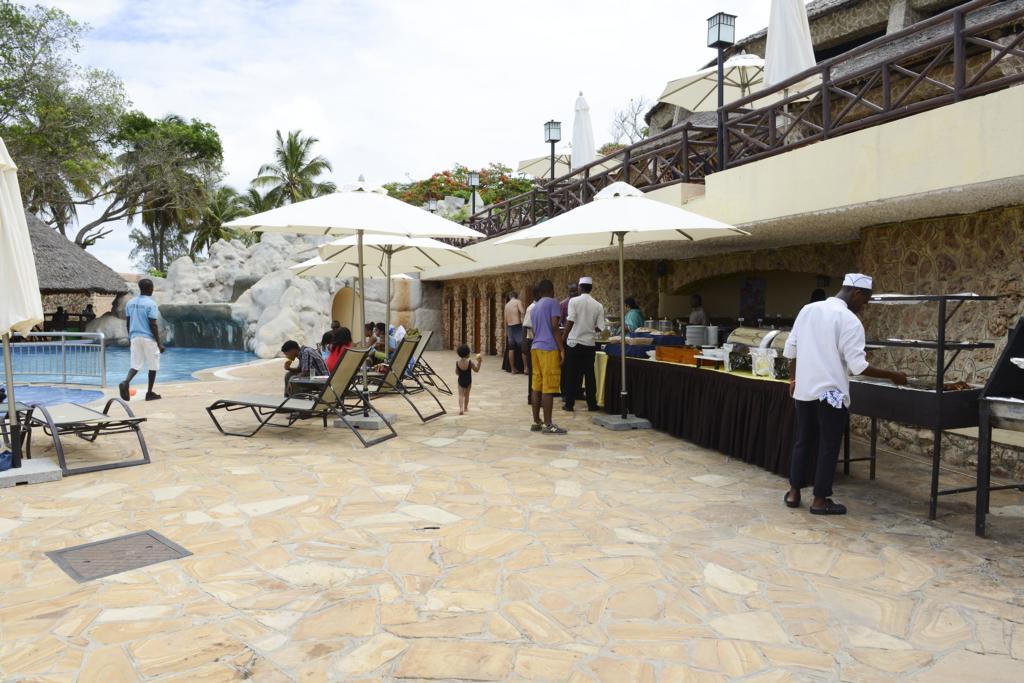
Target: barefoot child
(464,368)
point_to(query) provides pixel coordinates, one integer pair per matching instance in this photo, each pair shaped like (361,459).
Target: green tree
(57,118)
(224,205)
(165,172)
(293,174)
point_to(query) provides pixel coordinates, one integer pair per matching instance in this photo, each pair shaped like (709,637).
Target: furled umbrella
(582,135)
(21,305)
(790,50)
(620,214)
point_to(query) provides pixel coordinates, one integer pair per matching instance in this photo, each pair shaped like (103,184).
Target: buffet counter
(735,413)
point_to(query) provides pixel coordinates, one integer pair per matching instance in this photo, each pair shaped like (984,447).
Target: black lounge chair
(72,419)
(422,370)
(337,397)
(399,379)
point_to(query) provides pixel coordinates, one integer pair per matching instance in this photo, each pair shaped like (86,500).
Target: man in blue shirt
(144,339)
(546,356)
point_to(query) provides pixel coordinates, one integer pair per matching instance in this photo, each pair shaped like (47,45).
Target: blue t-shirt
(140,311)
(540,317)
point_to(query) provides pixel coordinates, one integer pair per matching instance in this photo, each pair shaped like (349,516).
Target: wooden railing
(968,51)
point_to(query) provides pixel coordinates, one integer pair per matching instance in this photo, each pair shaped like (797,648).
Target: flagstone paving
(473,549)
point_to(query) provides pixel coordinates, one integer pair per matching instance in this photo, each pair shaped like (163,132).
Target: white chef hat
(858,280)
(586,280)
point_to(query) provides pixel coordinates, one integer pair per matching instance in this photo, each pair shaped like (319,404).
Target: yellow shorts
(547,371)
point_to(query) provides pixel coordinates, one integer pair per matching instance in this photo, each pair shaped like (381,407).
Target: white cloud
(393,86)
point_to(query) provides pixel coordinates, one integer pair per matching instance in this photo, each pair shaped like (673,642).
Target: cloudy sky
(393,87)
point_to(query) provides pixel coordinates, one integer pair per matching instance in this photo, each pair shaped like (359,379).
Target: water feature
(207,326)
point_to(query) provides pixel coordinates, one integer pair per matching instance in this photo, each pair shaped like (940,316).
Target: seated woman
(340,342)
(380,349)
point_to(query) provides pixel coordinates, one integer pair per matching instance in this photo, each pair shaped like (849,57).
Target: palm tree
(253,202)
(224,205)
(293,175)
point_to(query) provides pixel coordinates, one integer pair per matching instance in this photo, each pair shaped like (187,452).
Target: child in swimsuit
(464,369)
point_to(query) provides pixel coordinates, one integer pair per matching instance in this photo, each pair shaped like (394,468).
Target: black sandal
(795,503)
(831,508)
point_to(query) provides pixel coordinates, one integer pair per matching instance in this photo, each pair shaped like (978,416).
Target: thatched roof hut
(64,267)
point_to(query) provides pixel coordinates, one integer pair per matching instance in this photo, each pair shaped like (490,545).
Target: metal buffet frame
(993,412)
(938,411)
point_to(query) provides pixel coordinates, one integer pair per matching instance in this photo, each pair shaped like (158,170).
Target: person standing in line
(547,355)
(573,291)
(513,330)
(585,319)
(825,347)
(464,369)
(142,314)
(528,344)
(697,314)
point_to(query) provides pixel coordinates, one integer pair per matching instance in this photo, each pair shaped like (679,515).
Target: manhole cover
(116,555)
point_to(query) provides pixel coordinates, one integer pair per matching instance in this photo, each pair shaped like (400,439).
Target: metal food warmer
(1001,406)
(758,338)
(937,405)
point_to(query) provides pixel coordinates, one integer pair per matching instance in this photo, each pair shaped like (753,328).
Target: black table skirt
(748,419)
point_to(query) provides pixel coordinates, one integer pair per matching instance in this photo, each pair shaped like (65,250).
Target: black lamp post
(432,205)
(552,134)
(721,34)
(474,182)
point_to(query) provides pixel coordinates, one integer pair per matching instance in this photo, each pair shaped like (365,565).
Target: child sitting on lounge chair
(464,369)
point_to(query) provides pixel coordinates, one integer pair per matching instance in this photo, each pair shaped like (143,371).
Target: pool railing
(79,355)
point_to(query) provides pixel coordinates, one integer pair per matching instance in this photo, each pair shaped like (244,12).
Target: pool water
(50,396)
(176,365)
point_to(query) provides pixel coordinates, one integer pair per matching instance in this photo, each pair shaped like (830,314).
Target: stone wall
(981,253)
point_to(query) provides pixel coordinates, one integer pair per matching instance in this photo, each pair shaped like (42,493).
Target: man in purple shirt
(546,356)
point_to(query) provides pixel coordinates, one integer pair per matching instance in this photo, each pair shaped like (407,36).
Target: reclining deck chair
(72,419)
(422,370)
(399,379)
(336,398)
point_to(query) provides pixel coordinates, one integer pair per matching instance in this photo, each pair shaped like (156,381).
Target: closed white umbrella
(790,49)
(620,214)
(21,306)
(582,135)
(743,74)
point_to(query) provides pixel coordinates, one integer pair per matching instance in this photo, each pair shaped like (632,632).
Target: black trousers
(579,366)
(819,434)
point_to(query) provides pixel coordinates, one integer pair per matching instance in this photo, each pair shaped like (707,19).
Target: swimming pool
(176,365)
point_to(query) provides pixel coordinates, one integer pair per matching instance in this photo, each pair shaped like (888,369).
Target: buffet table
(742,416)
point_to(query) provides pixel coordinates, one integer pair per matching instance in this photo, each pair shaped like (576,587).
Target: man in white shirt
(825,347)
(584,319)
(528,343)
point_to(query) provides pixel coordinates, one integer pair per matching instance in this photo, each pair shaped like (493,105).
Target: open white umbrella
(21,306)
(582,135)
(540,167)
(790,49)
(360,209)
(621,214)
(743,74)
(393,253)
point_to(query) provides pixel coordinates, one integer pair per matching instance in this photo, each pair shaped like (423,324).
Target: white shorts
(145,352)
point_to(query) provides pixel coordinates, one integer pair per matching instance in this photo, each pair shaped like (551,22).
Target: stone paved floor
(472,549)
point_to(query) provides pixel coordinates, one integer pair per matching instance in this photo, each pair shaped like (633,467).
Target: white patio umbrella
(621,214)
(393,253)
(21,305)
(790,49)
(582,136)
(360,209)
(540,167)
(743,74)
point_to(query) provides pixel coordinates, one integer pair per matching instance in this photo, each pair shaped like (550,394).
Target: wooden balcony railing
(971,50)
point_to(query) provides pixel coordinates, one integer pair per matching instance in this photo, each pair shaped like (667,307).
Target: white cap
(586,280)
(858,280)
